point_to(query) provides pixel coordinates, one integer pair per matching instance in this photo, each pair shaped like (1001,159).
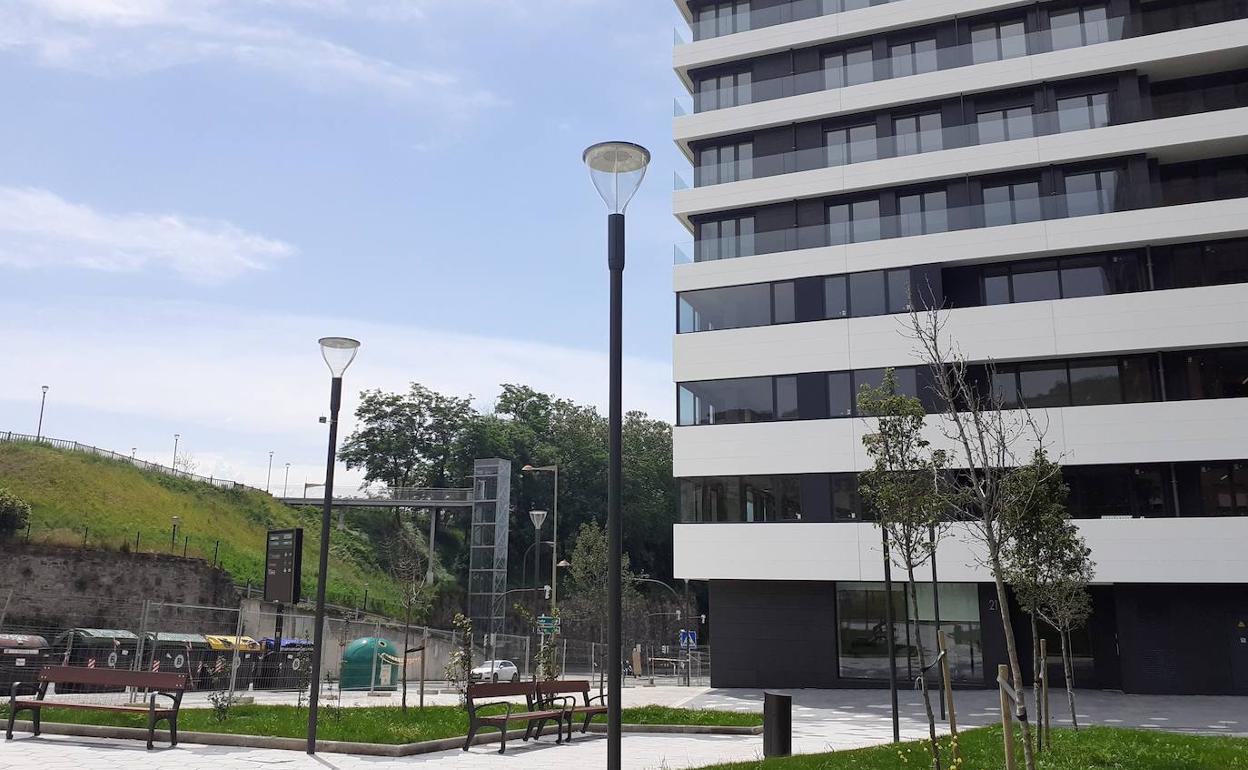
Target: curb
(350,747)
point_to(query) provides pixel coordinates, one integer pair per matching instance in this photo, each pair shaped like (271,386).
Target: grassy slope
(113,500)
(1095,748)
(369,725)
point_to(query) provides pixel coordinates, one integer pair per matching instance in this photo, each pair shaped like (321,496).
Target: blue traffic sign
(688,639)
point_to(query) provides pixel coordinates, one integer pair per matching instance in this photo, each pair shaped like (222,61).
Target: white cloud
(128,37)
(39,229)
(237,383)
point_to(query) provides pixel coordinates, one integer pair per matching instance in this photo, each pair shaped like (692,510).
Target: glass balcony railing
(739,89)
(728,18)
(932,220)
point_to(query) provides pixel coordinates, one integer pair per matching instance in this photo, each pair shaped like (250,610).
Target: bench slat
(51,704)
(153,680)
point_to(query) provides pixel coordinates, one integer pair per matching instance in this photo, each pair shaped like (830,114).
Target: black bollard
(777,724)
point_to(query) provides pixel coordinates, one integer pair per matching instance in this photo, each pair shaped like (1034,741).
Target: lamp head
(537,517)
(45,388)
(617,169)
(338,353)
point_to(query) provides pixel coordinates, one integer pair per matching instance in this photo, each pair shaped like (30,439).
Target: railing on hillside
(74,446)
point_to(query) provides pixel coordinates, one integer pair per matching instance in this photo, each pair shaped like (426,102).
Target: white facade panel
(1192,550)
(1209,316)
(1210,134)
(1119,230)
(1175,431)
(1169,53)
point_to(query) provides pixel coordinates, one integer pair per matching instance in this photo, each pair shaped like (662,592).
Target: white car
(496,671)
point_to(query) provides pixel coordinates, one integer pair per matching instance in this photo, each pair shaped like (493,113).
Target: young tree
(410,559)
(901,488)
(585,599)
(986,436)
(1047,561)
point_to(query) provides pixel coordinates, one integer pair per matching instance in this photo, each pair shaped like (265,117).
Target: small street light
(286,481)
(176,436)
(616,169)
(269,477)
(42,402)
(338,353)
(554,552)
(173,536)
(538,518)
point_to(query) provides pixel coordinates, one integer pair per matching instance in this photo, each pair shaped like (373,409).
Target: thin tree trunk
(1016,670)
(1035,675)
(927,700)
(407,625)
(1068,668)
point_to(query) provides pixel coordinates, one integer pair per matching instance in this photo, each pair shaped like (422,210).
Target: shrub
(14,514)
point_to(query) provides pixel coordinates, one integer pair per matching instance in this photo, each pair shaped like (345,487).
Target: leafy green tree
(901,488)
(1047,561)
(586,583)
(408,439)
(14,514)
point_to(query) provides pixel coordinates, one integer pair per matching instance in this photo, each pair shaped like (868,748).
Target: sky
(192,192)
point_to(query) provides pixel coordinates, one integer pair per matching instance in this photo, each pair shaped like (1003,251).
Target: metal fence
(74,446)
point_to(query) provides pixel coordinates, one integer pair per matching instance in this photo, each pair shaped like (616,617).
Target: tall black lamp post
(42,403)
(338,353)
(617,169)
(538,518)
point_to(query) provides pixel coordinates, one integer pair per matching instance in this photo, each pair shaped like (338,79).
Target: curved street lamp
(42,403)
(338,353)
(616,169)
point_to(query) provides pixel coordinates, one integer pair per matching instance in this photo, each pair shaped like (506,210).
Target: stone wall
(52,588)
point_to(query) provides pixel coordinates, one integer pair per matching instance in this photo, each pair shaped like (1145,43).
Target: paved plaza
(823,720)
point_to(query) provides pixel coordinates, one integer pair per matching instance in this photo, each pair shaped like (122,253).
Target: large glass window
(1210,264)
(918,133)
(848,68)
(922,213)
(726,163)
(840,394)
(853,144)
(863,628)
(786,398)
(1079,26)
(1035,281)
(1224,489)
(733,307)
(784,303)
(1078,113)
(1091,193)
(722,91)
(714,402)
(913,58)
(867,294)
(1095,382)
(854,222)
(1085,276)
(1011,203)
(1004,125)
(722,19)
(998,40)
(835,296)
(726,239)
(1043,385)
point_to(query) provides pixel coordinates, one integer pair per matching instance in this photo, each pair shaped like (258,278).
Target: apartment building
(1069,179)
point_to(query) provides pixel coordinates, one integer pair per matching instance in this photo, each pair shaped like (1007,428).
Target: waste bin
(96,648)
(178,654)
(371,663)
(286,669)
(777,724)
(220,657)
(21,657)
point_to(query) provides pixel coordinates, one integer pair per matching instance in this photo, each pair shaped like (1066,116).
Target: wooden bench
(564,693)
(534,715)
(161,685)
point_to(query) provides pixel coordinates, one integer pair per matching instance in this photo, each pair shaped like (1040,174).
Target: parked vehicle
(496,671)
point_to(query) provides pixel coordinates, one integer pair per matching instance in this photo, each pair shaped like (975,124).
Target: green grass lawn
(1094,748)
(368,725)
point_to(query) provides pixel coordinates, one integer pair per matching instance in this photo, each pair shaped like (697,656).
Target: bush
(14,514)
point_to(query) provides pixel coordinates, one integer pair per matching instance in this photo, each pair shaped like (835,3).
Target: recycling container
(21,657)
(220,657)
(287,668)
(178,654)
(371,663)
(96,648)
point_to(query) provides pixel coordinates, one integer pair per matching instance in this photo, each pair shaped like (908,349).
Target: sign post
(283,575)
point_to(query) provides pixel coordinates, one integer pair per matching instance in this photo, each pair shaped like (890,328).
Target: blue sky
(193,191)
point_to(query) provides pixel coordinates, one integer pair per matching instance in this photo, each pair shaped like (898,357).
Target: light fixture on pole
(268,478)
(616,169)
(133,451)
(554,535)
(338,353)
(538,518)
(176,436)
(286,481)
(42,403)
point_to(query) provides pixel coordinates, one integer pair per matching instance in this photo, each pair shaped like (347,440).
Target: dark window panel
(784,307)
(1095,382)
(786,398)
(1085,276)
(899,292)
(866,294)
(715,402)
(840,394)
(1035,281)
(1139,379)
(1043,385)
(835,297)
(732,307)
